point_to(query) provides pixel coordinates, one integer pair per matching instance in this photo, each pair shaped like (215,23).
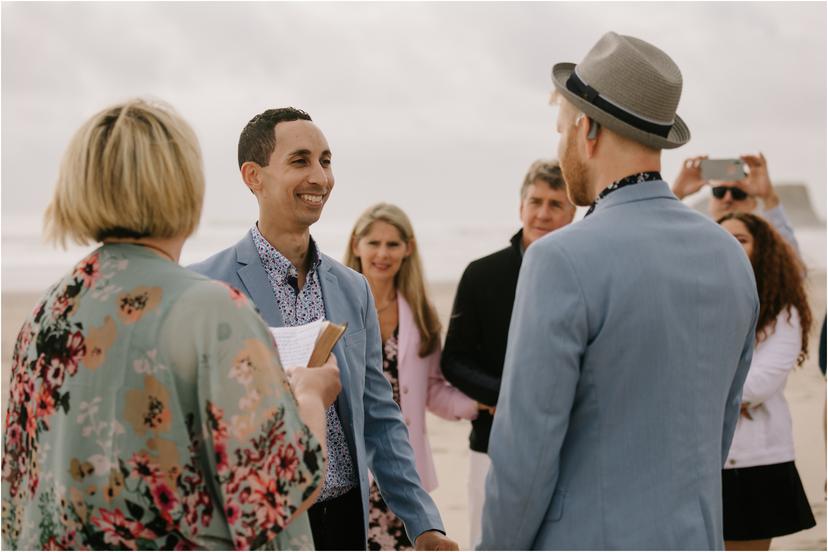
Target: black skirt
(763,502)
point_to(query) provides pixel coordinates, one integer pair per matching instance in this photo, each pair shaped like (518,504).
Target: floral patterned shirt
(148,410)
(302,307)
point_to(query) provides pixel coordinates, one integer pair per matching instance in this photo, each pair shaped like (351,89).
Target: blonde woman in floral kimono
(147,407)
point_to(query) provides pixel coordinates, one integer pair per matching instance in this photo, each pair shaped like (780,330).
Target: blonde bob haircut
(409,281)
(133,170)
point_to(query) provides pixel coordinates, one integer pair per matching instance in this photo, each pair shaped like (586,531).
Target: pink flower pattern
(255,490)
(119,531)
(88,270)
(137,499)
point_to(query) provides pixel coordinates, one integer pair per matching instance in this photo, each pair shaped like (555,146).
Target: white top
(768,437)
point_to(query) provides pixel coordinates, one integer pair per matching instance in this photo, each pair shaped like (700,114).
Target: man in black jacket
(479,327)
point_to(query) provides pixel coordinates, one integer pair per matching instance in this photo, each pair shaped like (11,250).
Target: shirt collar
(517,242)
(636,178)
(276,263)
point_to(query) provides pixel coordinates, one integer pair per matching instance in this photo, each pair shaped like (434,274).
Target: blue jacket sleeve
(540,377)
(734,397)
(390,456)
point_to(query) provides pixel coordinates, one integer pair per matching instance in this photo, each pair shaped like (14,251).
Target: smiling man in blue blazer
(285,161)
(631,336)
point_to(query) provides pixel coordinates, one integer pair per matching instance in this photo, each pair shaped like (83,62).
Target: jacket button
(405,389)
(407,422)
(732,462)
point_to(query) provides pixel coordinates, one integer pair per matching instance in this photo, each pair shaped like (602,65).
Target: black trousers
(337,523)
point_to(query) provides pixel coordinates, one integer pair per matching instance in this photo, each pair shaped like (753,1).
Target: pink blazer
(422,385)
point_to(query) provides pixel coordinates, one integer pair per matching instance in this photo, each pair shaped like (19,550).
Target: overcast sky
(437,107)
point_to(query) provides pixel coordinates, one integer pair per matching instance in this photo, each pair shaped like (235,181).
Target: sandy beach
(805,392)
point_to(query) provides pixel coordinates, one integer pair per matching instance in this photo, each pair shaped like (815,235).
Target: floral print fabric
(148,410)
(385,530)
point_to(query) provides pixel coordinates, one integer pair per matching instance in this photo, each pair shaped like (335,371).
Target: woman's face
(381,251)
(741,233)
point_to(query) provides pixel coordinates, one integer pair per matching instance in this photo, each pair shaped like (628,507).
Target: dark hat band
(583,90)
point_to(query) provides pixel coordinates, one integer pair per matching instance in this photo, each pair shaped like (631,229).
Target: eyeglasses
(737,194)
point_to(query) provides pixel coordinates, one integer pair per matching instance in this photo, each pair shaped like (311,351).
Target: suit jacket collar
(335,305)
(517,243)
(646,190)
(329,283)
(408,329)
(280,265)
(253,276)
(325,264)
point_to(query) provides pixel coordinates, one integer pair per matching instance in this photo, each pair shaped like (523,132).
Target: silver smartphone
(722,169)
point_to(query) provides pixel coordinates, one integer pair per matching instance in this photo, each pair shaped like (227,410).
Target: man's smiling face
(298,179)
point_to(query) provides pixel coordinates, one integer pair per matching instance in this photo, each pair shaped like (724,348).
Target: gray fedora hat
(629,86)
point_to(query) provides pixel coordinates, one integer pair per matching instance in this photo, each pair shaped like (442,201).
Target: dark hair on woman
(780,279)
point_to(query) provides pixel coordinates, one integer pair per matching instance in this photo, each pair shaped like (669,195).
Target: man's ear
(251,173)
(592,133)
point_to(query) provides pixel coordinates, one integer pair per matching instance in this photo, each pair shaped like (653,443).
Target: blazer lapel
(406,319)
(257,285)
(330,292)
(331,296)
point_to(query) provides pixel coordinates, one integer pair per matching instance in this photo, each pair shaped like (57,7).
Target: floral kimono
(148,410)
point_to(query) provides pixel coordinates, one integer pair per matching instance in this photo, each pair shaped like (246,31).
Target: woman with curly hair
(762,493)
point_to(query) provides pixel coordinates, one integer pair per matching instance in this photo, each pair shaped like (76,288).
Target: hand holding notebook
(307,345)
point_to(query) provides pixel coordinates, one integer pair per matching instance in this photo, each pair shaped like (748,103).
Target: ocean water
(30,265)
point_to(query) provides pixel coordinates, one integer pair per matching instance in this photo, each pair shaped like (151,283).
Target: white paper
(295,344)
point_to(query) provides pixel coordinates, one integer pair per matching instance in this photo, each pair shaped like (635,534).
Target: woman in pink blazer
(383,248)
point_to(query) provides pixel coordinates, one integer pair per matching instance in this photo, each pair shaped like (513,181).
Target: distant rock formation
(794,197)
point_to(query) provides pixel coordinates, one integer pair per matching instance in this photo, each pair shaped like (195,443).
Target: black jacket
(478,331)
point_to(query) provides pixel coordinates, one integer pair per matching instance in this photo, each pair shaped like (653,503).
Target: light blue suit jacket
(374,429)
(631,337)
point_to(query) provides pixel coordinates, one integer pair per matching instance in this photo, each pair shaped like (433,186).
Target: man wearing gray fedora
(631,336)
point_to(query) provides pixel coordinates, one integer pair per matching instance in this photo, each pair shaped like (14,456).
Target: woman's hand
(322,381)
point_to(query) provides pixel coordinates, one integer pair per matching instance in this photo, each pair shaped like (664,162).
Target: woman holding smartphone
(383,248)
(762,493)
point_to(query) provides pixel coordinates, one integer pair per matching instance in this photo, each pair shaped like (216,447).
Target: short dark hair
(257,140)
(548,171)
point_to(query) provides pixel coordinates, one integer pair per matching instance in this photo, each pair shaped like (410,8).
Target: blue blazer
(631,337)
(374,429)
